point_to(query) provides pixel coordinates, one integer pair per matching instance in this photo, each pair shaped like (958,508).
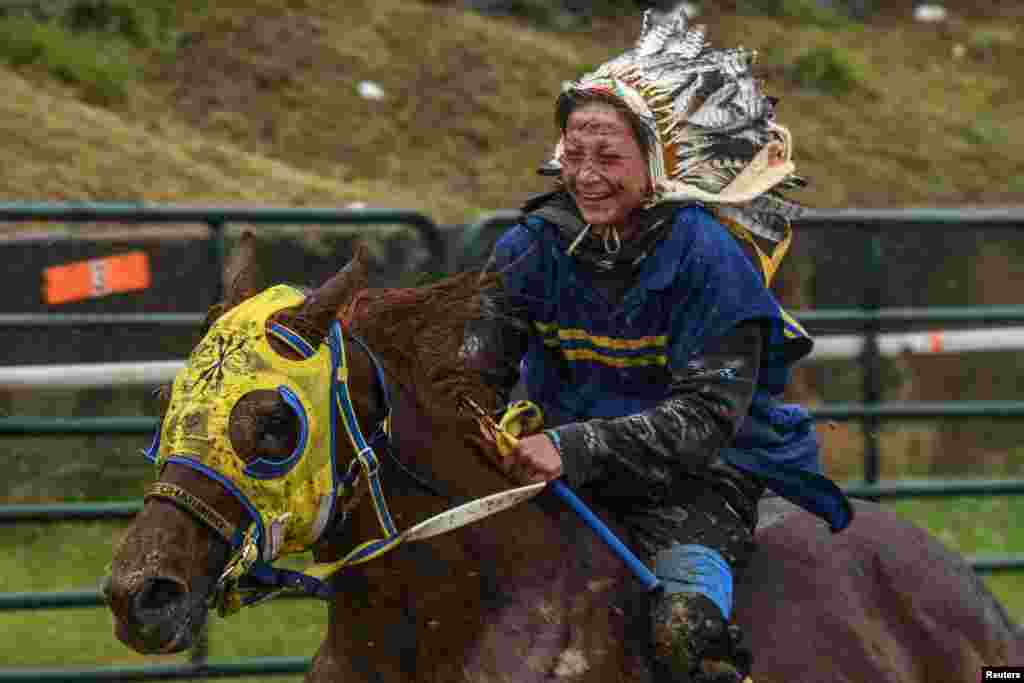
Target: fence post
(871,357)
(217,249)
(200,652)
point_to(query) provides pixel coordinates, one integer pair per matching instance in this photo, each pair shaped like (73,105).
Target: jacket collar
(560,210)
(663,264)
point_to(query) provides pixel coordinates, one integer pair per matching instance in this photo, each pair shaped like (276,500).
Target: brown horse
(531,594)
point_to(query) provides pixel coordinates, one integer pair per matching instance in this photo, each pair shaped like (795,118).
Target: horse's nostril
(157,593)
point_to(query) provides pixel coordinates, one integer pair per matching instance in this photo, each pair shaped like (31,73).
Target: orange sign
(96,278)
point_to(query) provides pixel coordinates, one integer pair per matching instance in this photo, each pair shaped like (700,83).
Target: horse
(528,594)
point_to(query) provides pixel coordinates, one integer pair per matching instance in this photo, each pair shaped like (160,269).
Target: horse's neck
(523,595)
(549,582)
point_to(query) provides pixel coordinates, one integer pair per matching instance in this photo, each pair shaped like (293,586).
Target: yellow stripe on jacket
(579,345)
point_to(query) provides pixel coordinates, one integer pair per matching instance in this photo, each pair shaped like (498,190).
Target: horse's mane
(418,334)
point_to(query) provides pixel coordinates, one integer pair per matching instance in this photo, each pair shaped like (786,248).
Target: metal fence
(870,318)
(217,219)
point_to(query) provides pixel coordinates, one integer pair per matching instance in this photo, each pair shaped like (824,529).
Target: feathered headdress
(712,135)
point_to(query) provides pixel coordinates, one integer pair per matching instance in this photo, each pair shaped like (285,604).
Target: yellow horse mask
(289,500)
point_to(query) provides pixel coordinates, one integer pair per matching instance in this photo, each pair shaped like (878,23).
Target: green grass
(987,39)
(149,24)
(92,44)
(984,131)
(100,64)
(805,12)
(977,526)
(831,70)
(68,556)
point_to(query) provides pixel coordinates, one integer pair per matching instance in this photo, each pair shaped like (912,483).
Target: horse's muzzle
(157,615)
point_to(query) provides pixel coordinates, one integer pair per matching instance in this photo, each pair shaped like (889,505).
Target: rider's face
(603,165)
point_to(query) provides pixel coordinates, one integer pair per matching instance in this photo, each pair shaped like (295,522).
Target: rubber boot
(693,643)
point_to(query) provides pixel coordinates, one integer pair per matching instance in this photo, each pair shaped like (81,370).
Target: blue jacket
(590,359)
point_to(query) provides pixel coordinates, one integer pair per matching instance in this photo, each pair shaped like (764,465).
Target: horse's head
(245,451)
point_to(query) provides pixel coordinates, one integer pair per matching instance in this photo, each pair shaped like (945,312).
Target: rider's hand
(535,459)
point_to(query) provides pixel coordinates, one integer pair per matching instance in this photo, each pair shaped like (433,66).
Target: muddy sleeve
(642,456)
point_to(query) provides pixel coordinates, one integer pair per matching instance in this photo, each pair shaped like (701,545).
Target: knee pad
(696,569)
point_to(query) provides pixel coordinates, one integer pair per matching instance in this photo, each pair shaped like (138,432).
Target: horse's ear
(321,306)
(240,272)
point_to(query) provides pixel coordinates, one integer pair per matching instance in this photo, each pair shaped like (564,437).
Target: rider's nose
(587,175)
(155,595)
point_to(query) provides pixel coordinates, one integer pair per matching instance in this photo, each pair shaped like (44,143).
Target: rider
(638,317)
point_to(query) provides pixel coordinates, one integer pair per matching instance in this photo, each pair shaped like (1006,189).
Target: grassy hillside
(258,102)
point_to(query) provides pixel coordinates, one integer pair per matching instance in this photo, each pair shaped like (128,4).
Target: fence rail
(895,410)
(870,318)
(255,666)
(830,347)
(218,217)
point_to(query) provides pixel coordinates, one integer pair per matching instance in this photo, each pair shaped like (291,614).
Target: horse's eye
(263,426)
(278,430)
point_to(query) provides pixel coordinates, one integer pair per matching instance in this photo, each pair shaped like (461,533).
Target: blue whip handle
(639,569)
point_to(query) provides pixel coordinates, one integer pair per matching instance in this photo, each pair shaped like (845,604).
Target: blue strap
(382,384)
(154,446)
(364,452)
(262,578)
(696,569)
(639,569)
(293,339)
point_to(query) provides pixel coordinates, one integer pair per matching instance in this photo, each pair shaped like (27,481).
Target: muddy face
(165,567)
(603,165)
